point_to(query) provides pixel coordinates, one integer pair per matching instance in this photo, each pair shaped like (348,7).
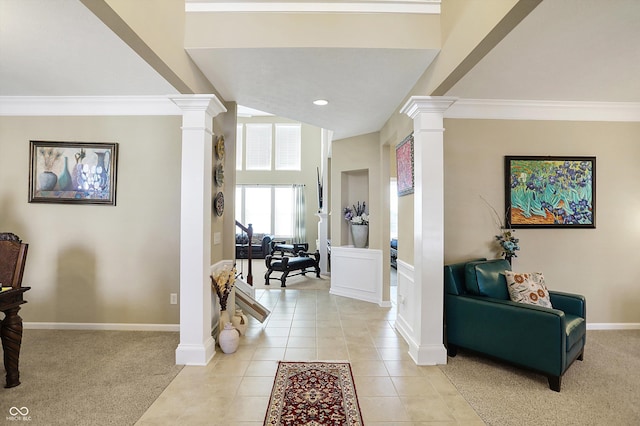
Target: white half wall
(357,273)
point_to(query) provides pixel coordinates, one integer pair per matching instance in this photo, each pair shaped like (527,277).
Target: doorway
(393,236)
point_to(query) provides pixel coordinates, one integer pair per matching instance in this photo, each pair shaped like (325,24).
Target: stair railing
(248,230)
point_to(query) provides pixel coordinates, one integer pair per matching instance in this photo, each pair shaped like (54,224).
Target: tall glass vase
(360,234)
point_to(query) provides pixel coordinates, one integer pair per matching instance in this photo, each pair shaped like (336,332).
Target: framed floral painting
(404,163)
(73,172)
(550,192)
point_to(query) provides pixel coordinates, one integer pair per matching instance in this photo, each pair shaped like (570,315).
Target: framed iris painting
(73,172)
(550,192)
(404,164)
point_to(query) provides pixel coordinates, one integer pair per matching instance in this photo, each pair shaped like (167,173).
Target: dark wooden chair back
(13,256)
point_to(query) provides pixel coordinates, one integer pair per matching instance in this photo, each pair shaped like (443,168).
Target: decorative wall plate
(218,203)
(218,175)
(220,147)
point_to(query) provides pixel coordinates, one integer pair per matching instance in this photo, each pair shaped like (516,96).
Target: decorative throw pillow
(528,288)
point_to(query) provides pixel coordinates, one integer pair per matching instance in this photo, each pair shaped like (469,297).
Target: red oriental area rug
(313,394)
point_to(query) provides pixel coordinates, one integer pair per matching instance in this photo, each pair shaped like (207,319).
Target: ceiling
(569,50)
(363,86)
(60,48)
(566,50)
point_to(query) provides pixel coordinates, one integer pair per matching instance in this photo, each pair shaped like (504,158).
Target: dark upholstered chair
(13,256)
(480,316)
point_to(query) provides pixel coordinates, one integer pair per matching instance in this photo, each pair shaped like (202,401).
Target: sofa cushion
(576,329)
(486,278)
(242,239)
(528,288)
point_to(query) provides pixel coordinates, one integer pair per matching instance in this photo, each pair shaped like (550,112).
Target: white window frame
(240,215)
(276,145)
(267,128)
(239,146)
(285,146)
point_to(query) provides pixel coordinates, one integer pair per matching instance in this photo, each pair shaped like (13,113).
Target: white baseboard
(613,326)
(100,326)
(176,327)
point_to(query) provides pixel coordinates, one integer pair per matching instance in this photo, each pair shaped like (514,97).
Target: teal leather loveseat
(480,316)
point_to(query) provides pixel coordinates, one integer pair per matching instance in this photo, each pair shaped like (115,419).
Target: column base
(428,354)
(187,354)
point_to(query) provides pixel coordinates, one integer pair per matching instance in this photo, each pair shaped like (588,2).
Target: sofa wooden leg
(581,356)
(555,382)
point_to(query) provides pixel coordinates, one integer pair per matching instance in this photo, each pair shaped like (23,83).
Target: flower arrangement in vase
(48,179)
(506,238)
(222,283)
(357,215)
(508,243)
(359,221)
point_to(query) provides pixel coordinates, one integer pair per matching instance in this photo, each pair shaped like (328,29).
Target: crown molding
(87,105)
(372,6)
(429,104)
(496,109)
(487,109)
(209,103)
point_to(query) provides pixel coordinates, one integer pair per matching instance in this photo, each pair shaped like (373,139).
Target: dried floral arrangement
(50,156)
(222,283)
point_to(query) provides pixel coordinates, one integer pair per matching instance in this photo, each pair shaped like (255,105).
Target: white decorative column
(323,231)
(323,224)
(196,347)
(426,324)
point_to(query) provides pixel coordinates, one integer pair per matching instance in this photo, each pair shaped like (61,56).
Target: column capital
(427,104)
(208,103)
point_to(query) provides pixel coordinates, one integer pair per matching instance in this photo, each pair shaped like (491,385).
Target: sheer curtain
(299,232)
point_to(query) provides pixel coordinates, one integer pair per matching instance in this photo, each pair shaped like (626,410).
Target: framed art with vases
(73,172)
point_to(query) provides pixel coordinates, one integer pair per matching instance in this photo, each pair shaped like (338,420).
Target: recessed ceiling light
(320,102)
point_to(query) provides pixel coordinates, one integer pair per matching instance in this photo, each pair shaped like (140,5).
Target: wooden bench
(286,265)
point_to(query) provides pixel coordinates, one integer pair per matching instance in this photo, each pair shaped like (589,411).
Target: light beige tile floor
(308,325)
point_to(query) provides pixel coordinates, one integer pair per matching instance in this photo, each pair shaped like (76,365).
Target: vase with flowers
(508,243)
(222,283)
(359,222)
(48,179)
(506,239)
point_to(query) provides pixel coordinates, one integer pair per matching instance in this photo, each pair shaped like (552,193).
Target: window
(284,212)
(269,147)
(257,208)
(239,147)
(288,146)
(268,208)
(258,143)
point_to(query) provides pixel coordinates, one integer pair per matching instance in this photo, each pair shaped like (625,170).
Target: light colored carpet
(76,377)
(604,389)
